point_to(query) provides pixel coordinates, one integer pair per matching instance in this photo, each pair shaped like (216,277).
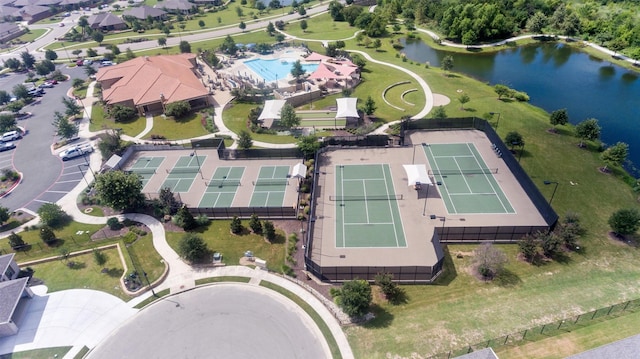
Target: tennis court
(466,184)
(146,167)
(270,186)
(222,187)
(181,176)
(367,213)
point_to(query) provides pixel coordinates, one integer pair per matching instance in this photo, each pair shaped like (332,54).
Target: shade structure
(417,174)
(271,110)
(347,107)
(299,171)
(314,56)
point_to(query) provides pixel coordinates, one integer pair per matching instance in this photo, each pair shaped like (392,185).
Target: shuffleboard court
(367,213)
(467,184)
(270,186)
(222,188)
(181,176)
(146,167)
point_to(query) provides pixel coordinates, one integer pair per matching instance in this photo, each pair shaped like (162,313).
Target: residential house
(12,292)
(144,12)
(9,31)
(106,21)
(178,6)
(33,13)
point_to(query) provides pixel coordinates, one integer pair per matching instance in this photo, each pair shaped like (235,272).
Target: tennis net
(478,171)
(375,197)
(184,170)
(223,182)
(271,181)
(143,171)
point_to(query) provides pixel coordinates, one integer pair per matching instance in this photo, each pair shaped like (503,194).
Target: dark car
(6,146)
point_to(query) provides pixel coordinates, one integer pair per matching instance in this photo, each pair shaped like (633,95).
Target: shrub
(528,246)
(52,215)
(625,221)
(255,224)
(390,289)
(202,220)
(521,96)
(15,241)
(184,219)
(269,231)
(236,225)
(129,238)
(114,224)
(286,270)
(122,113)
(47,235)
(192,247)
(177,109)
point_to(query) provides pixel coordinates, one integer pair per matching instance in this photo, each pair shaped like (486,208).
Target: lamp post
(89,165)
(197,160)
(554,189)
(85,178)
(498,121)
(413,158)
(424,209)
(149,284)
(442,218)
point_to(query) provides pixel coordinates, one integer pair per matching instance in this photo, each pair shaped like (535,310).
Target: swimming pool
(272,70)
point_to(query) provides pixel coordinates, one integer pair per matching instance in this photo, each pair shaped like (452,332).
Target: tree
(588,130)
(369,106)
(28,60)
(201,23)
(122,113)
(236,225)
(192,247)
(76,52)
(52,215)
(4,97)
(537,22)
(269,231)
(110,144)
(288,117)
(91,52)
(304,25)
(97,37)
(4,215)
(50,55)
(71,107)
(89,70)
(528,246)
(239,11)
(297,70)
(488,260)
(162,42)
(439,112)
(77,83)
(463,98)
(7,123)
(120,190)
(354,297)
(99,257)
(625,221)
(229,46)
(15,241)
(550,243)
(13,64)
(447,63)
(377,44)
(244,140)
(615,155)
(168,201)
(271,29)
(64,128)
(501,90)
(20,92)
(177,109)
(302,11)
(308,145)
(184,219)
(260,6)
(514,138)
(242,26)
(185,47)
(255,224)
(47,235)
(559,117)
(280,38)
(129,54)
(83,22)
(389,288)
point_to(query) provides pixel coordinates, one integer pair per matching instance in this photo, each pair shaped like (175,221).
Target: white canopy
(299,171)
(271,110)
(417,174)
(347,107)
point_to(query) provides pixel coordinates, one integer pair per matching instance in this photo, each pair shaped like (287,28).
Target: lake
(557,76)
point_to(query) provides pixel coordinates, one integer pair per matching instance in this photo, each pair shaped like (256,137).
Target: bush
(354,297)
(521,96)
(192,247)
(390,289)
(129,238)
(15,241)
(185,219)
(255,224)
(47,235)
(202,220)
(236,225)
(52,215)
(286,270)
(269,231)
(528,246)
(625,221)
(177,109)
(114,224)
(99,257)
(122,113)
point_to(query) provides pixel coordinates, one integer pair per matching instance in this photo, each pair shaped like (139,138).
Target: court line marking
(395,230)
(454,156)
(342,205)
(366,205)
(491,184)
(435,164)
(460,174)
(363,223)
(476,193)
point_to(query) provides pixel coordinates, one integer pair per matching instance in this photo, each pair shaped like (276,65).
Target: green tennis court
(222,187)
(467,185)
(181,176)
(146,167)
(270,186)
(367,213)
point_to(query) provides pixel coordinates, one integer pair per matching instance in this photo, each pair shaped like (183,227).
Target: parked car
(75,151)
(46,85)
(6,146)
(52,81)
(36,92)
(10,136)
(106,63)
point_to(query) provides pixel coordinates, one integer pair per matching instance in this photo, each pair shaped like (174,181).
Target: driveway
(66,318)
(219,321)
(32,157)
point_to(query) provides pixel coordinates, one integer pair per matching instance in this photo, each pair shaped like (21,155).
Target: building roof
(145,80)
(25,2)
(104,19)
(7,27)
(627,348)
(347,107)
(5,260)
(176,5)
(10,294)
(486,353)
(32,10)
(271,110)
(143,12)
(8,11)
(314,56)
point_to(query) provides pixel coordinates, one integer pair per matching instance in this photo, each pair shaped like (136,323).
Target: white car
(10,136)
(75,151)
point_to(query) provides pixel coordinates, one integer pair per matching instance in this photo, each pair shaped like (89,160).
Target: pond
(556,76)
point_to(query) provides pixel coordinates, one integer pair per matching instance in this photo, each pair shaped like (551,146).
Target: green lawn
(185,127)
(235,118)
(46,353)
(99,122)
(321,27)
(223,279)
(57,275)
(31,35)
(219,239)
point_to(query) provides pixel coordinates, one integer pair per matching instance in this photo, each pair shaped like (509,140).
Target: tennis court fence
(184,170)
(142,171)
(478,171)
(245,212)
(376,197)
(224,182)
(268,182)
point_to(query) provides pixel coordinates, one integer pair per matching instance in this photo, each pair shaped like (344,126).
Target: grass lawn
(99,122)
(85,273)
(223,279)
(152,299)
(81,91)
(147,260)
(326,332)
(31,35)
(328,122)
(321,27)
(219,239)
(186,127)
(235,118)
(46,353)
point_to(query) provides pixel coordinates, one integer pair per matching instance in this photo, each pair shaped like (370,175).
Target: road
(45,177)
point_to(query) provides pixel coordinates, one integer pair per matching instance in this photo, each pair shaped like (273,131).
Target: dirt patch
(440,100)
(552,131)
(621,240)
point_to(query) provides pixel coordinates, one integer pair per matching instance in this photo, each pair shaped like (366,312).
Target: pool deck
(239,68)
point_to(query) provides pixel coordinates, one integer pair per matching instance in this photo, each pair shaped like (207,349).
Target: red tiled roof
(144,80)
